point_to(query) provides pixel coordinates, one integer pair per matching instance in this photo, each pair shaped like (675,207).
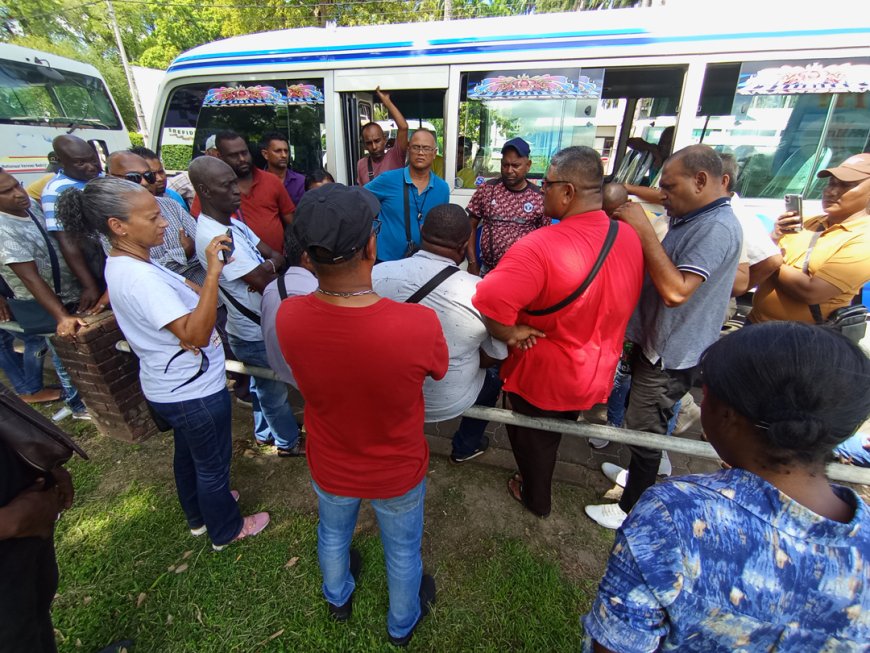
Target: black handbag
(33,438)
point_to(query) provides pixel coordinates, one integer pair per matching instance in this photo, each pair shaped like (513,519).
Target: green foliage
(176,157)
(136,139)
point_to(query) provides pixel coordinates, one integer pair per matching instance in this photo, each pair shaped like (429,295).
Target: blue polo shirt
(388,187)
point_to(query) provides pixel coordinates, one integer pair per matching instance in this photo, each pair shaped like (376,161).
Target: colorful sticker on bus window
(261,95)
(534,87)
(797,78)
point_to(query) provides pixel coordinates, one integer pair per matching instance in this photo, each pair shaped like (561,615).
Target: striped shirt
(51,192)
(171,253)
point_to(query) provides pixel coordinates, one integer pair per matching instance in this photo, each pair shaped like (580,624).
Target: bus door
(418,92)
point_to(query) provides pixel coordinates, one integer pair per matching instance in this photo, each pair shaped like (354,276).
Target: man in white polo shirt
(431,277)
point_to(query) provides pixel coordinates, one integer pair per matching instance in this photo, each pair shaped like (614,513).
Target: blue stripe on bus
(378,50)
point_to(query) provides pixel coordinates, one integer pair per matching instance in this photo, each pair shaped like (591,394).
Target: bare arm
(32,513)
(398,118)
(262,275)
(741,280)
(804,288)
(195,328)
(287,218)
(759,272)
(42,293)
(76,261)
(471,249)
(516,335)
(673,285)
(487,361)
(645,193)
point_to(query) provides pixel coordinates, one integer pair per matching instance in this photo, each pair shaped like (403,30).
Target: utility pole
(448,9)
(140,116)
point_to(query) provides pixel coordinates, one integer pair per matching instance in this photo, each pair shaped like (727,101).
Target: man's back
(463,328)
(361,371)
(572,367)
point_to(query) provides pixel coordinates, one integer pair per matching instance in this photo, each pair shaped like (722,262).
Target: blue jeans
(273,416)
(467,438)
(70,394)
(618,401)
(400,520)
(853,451)
(24,371)
(203,450)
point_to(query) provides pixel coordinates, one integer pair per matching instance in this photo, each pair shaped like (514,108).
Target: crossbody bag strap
(815,309)
(371,168)
(432,284)
(407,213)
(282,288)
(612,230)
(241,308)
(52,255)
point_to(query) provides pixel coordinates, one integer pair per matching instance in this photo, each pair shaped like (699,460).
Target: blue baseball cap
(519,145)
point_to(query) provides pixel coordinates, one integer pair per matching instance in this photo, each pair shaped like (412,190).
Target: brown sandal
(515,487)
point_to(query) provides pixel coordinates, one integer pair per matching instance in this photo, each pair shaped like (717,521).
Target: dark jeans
(468,436)
(535,453)
(654,393)
(203,449)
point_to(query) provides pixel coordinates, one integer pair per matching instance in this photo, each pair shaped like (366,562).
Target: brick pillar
(107,379)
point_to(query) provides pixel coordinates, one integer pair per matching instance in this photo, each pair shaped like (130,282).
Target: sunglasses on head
(137,177)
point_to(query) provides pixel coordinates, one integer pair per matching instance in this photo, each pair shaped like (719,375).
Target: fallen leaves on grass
(181,568)
(141,599)
(291,562)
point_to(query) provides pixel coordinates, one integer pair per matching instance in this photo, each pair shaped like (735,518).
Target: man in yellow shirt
(828,261)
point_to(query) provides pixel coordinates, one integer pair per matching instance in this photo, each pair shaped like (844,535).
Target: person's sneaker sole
(343,612)
(202,530)
(427,600)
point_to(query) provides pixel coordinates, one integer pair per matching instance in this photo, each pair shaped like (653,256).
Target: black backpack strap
(815,309)
(282,288)
(52,255)
(432,284)
(371,169)
(241,308)
(612,230)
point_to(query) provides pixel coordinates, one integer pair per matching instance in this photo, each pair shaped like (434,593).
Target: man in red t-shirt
(266,206)
(562,362)
(379,159)
(360,362)
(508,208)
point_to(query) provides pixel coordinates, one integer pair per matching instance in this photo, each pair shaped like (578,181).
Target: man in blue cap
(508,208)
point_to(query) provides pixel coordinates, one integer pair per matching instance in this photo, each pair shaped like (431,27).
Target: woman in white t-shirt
(169,323)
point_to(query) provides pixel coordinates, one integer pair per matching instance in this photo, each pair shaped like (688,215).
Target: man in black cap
(508,207)
(360,366)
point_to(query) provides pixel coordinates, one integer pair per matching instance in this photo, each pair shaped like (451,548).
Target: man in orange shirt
(266,206)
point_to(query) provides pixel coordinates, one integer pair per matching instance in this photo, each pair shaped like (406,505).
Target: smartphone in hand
(794,203)
(226,254)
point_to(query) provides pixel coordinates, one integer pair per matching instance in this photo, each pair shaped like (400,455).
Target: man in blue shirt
(406,195)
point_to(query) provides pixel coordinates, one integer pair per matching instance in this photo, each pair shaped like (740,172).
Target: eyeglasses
(376,227)
(137,177)
(426,149)
(549,182)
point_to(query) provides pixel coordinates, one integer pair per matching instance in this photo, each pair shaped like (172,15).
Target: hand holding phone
(794,203)
(226,254)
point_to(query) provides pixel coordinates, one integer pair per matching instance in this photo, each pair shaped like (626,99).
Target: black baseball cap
(336,218)
(522,148)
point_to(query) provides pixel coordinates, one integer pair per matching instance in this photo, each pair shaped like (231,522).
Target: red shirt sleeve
(196,207)
(513,285)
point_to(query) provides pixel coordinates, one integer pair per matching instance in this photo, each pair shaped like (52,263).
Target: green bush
(176,157)
(136,139)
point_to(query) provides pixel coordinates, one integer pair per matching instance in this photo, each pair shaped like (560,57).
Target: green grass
(121,546)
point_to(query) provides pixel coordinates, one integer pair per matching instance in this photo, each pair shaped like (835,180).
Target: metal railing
(835,471)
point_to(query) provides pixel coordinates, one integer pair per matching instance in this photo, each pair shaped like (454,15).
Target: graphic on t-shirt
(203,367)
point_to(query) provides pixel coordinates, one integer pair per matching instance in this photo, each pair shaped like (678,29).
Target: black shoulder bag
(29,313)
(282,288)
(371,169)
(241,308)
(432,284)
(612,230)
(411,247)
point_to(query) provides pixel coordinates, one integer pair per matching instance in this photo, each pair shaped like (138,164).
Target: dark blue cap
(517,144)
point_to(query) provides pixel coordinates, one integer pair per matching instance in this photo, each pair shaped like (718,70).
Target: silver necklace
(355,293)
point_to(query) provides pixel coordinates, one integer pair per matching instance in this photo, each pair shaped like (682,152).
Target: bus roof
(617,32)
(27,55)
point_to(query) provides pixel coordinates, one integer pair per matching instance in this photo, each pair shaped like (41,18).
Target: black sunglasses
(137,177)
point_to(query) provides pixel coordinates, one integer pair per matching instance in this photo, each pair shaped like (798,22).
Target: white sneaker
(597,443)
(608,515)
(615,474)
(665,468)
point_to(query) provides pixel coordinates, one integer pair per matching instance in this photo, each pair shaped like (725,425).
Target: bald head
(123,163)
(613,196)
(77,159)
(217,186)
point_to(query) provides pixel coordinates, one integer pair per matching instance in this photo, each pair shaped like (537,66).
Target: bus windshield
(43,96)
